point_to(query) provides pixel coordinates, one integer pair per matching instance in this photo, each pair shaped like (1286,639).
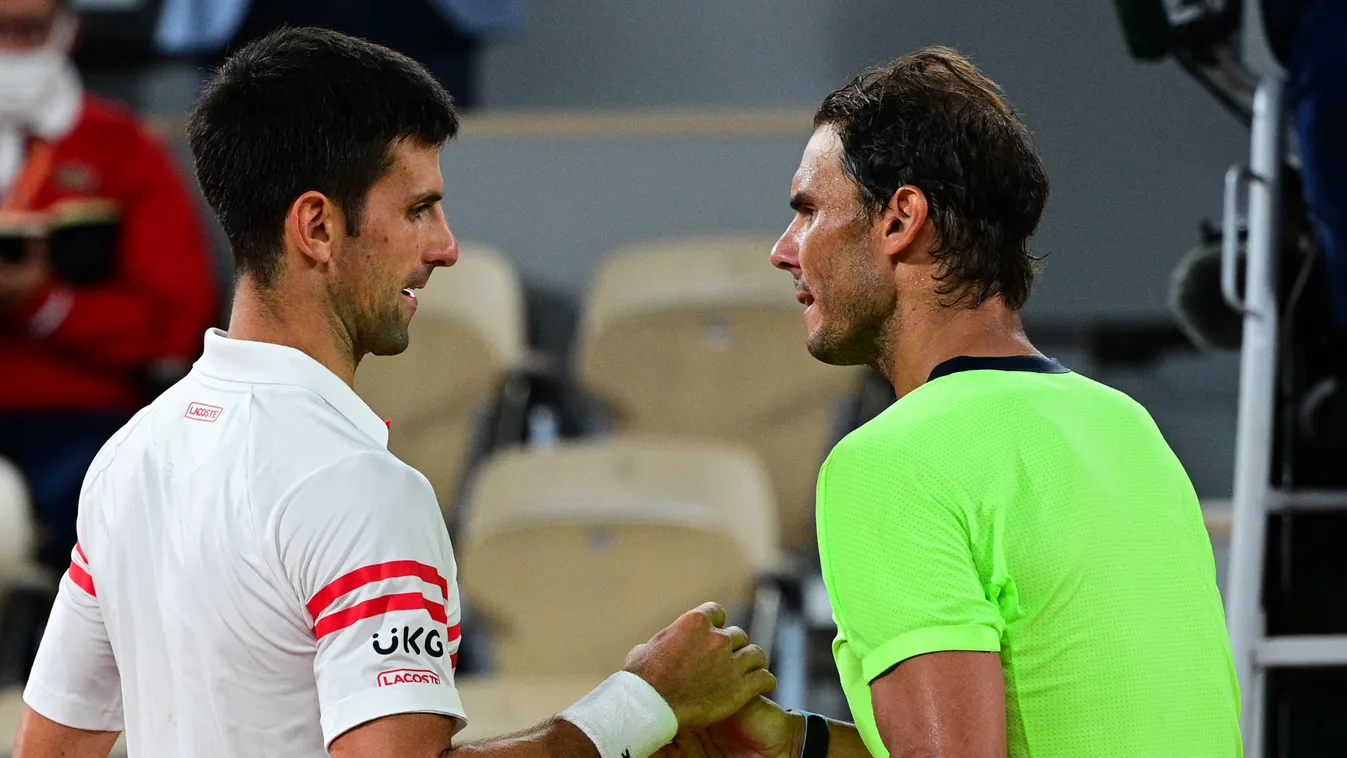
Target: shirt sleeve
(74,680)
(897,560)
(364,546)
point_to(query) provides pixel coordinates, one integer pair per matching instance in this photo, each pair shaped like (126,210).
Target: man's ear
(903,223)
(313,224)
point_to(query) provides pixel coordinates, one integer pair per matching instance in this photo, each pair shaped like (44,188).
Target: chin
(390,342)
(836,350)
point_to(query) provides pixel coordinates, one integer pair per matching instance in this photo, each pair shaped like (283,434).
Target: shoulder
(323,467)
(124,440)
(908,429)
(299,438)
(371,475)
(364,502)
(891,458)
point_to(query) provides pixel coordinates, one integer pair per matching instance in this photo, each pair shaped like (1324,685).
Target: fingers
(714,612)
(738,637)
(759,682)
(751,657)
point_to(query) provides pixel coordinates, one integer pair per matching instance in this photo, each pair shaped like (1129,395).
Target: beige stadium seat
(469,331)
(11,706)
(702,337)
(577,553)
(16,526)
(500,706)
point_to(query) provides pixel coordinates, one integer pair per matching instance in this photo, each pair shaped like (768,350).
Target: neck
(260,316)
(924,337)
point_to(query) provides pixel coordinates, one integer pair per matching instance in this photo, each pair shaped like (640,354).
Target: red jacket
(159,299)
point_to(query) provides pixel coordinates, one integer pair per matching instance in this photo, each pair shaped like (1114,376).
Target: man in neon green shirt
(1016,560)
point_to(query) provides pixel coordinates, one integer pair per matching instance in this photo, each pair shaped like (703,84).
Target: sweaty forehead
(821,165)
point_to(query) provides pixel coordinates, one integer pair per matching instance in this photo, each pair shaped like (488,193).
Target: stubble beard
(385,332)
(855,326)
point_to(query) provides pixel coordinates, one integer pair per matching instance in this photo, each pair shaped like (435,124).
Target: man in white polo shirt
(256,574)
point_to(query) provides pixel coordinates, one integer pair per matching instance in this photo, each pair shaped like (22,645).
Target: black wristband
(815,736)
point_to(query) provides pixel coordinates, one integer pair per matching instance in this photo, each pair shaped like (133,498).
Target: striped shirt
(255,574)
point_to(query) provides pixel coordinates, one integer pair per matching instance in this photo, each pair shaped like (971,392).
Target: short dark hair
(305,109)
(930,119)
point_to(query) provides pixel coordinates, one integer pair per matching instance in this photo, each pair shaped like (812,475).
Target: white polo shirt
(255,574)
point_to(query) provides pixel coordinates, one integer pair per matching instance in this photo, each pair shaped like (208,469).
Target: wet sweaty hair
(304,110)
(931,120)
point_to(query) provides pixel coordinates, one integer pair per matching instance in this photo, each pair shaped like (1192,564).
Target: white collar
(250,362)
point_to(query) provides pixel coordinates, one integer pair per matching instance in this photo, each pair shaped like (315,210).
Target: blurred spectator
(444,35)
(1309,38)
(105,280)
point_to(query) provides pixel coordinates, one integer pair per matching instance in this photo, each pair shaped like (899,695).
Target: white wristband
(624,717)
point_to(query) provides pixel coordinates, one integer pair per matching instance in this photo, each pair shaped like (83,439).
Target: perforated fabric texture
(1044,517)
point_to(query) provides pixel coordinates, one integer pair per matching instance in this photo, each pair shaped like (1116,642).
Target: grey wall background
(1135,152)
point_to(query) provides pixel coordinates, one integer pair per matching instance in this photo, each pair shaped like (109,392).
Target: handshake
(713,680)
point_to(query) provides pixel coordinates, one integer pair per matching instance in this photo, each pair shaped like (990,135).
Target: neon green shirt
(1011,506)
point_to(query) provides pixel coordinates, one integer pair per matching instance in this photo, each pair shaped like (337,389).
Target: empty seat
(499,706)
(575,554)
(468,333)
(702,337)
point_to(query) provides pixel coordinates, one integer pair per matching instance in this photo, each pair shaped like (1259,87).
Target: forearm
(555,738)
(40,737)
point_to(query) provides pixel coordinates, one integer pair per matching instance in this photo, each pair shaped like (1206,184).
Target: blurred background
(610,392)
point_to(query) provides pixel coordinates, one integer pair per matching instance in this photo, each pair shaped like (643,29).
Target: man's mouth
(410,292)
(802,294)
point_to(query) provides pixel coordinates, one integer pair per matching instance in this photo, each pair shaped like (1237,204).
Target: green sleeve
(897,560)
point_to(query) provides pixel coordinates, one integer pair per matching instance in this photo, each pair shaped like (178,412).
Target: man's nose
(446,253)
(785,253)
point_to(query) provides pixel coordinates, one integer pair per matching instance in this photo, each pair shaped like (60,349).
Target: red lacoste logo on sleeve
(203,412)
(408,676)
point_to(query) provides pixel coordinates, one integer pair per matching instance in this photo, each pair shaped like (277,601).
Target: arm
(365,547)
(693,674)
(40,737)
(915,580)
(73,702)
(163,296)
(413,735)
(918,645)
(942,704)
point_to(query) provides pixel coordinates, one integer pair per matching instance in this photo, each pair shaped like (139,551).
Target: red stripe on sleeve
(407,601)
(80,550)
(81,577)
(453,660)
(370,574)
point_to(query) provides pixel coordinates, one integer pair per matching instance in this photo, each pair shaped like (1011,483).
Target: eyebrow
(430,197)
(798,201)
